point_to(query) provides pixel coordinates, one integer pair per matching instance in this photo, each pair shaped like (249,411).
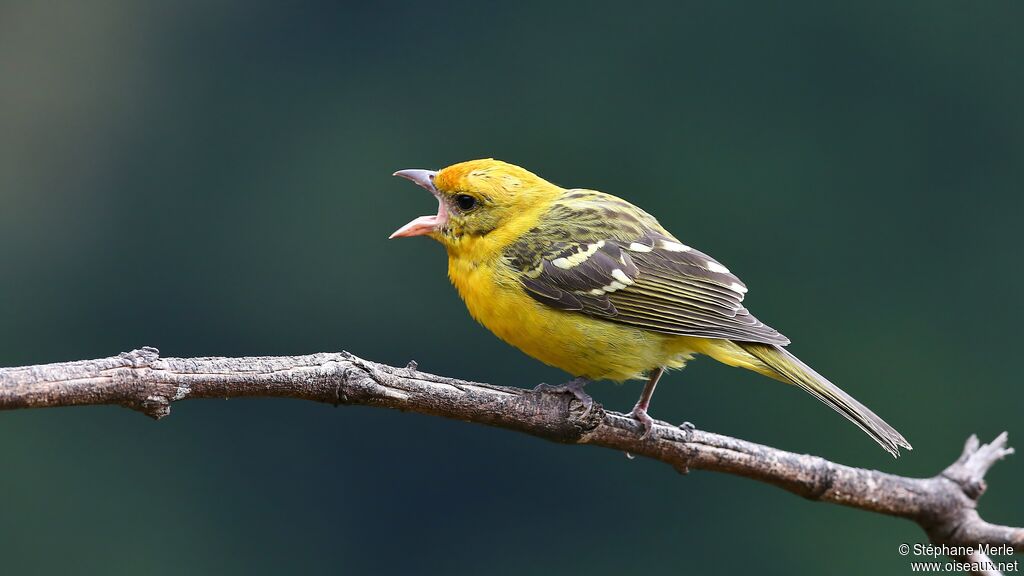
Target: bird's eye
(465,202)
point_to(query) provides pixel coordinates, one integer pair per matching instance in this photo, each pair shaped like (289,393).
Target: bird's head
(477,199)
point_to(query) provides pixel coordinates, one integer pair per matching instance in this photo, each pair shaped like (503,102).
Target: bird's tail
(788,368)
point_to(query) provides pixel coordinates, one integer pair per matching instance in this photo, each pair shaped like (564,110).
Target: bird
(593,285)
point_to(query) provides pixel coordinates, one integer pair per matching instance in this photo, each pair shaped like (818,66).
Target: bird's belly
(579,344)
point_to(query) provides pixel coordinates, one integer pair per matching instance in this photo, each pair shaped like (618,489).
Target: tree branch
(944,505)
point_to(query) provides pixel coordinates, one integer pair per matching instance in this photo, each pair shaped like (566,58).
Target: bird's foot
(574,387)
(640,414)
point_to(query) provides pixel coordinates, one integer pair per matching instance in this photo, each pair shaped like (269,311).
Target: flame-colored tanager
(589,283)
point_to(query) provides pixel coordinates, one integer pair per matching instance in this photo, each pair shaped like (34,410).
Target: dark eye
(465,202)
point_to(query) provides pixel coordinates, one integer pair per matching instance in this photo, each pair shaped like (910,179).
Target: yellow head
(478,199)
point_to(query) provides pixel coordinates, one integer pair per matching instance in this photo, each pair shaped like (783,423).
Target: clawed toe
(574,387)
(587,402)
(640,415)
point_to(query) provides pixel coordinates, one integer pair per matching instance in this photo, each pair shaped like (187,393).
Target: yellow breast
(579,344)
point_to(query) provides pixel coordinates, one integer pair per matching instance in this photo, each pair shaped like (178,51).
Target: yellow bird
(591,284)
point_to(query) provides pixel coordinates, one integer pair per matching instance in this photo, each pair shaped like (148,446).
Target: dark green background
(213,178)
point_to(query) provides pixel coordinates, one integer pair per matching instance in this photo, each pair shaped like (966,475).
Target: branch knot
(141,358)
(969,470)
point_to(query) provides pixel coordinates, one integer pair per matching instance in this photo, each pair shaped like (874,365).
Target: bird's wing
(599,255)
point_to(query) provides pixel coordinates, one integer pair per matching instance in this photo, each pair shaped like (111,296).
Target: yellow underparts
(579,344)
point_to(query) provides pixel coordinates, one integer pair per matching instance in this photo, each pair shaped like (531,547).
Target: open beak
(424,224)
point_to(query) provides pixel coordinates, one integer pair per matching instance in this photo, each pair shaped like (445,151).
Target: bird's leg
(574,387)
(640,410)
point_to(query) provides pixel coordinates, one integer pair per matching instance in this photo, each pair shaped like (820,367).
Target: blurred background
(213,178)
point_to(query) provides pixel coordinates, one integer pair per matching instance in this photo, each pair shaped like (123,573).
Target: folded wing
(622,266)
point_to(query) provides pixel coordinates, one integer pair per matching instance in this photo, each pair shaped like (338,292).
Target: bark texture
(943,505)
